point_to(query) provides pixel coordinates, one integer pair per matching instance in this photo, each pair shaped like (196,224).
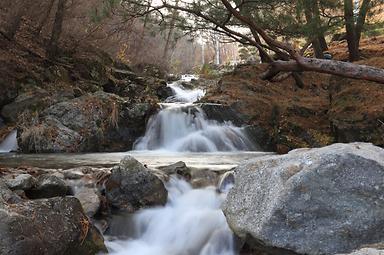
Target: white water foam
(10,143)
(187,129)
(184,95)
(190,223)
(184,127)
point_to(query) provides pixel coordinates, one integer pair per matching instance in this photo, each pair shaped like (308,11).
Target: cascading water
(180,94)
(10,143)
(184,127)
(190,223)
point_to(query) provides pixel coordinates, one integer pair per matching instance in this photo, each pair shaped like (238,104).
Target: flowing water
(10,143)
(190,223)
(183,126)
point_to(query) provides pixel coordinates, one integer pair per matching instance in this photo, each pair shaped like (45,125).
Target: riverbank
(327,110)
(83,101)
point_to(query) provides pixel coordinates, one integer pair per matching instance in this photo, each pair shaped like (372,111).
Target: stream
(191,223)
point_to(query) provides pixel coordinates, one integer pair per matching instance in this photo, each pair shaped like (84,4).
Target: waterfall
(190,223)
(184,95)
(182,126)
(10,143)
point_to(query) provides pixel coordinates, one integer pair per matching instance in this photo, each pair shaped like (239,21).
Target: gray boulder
(22,182)
(47,226)
(6,195)
(310,201)
(132,186)
(89,200)
(48,186)
(179,168)
(366,251)
(93,122)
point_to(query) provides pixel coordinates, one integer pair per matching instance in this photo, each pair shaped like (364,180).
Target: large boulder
(95,122)
(132,186)
(310,201)
(47,226)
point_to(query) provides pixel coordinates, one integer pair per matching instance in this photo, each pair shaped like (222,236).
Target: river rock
(132,186)
(6,195)
(73,174)
(47,226)
(179,168)
(223,113)
(89,200)
(22,182)
(48,186)
(310,201)
(93,122)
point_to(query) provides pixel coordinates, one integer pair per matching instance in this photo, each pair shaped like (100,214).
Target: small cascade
(190,223)
(184,95)
(184,127)
(10,143)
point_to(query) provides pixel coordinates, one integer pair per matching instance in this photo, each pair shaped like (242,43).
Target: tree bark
(56,30)
(170,35)
(353,47)
(344,69)
(312,15)
(364,8)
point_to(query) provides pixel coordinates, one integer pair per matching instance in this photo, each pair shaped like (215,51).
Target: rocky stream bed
(310,201)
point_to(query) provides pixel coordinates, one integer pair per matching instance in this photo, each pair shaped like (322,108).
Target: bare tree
(290,58)
(354,26)
(56,30)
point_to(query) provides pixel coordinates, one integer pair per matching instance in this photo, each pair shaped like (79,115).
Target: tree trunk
(353,47)
(364,8)
(312,15)
(170,35)
(45,16)
(344,69)
(56,30)
(323,42)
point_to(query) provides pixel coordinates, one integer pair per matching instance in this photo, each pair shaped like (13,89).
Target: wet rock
(48,186)
(22,182)
(201,178)
(89,200)
(164,92)
(132,186)
(310,201)
(48,226)
(227,180)
(73,174)
(223,113)
(179,168)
